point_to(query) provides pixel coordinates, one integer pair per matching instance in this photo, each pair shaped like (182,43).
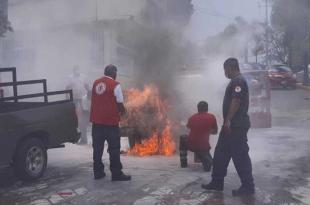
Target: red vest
(104,108)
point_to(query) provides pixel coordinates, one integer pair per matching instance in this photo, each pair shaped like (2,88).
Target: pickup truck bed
(28,129)
(11,106)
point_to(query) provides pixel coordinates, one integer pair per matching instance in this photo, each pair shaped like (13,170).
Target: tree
(291,20)
(258,48)
(237,39)
(278,49)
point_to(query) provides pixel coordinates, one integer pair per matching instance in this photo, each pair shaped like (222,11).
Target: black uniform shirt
(238,88)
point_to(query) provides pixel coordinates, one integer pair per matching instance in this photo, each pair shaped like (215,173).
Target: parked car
(281,76)
(251,66)
(297,68)
(28,127)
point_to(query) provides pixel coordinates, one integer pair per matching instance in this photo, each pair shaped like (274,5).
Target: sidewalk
(301,86)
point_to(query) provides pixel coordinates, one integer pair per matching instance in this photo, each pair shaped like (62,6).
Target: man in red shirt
(107,105)
(201,125)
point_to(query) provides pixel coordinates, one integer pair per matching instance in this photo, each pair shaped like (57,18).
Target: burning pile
(150,129)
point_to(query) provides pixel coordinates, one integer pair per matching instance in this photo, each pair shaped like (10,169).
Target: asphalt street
(280,157)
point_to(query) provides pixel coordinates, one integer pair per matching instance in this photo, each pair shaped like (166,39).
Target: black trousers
(111,134)
(233,146)
(205,158)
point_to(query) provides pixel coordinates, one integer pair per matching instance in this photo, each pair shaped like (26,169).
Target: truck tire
(30,159)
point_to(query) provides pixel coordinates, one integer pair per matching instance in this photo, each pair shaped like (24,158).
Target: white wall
(33,15)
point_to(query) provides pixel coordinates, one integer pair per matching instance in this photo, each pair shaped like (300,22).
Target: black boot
(183,151)
(99,175)
(213,186)
(121,177)
(244,191)
(99,171)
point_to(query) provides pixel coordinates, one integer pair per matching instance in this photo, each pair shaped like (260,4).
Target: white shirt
(118,93)
(77,84)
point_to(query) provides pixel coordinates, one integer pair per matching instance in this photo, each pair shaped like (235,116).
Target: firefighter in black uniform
(232,143)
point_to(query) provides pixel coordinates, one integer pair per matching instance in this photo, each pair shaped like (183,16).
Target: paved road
(281,164)
(290,108)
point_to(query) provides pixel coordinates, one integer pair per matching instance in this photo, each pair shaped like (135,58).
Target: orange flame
(158,144)
(149,112)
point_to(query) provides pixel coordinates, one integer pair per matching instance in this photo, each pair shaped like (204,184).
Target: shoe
(121,177)
(213,186)
(207,168)
(99,175)
(243,191)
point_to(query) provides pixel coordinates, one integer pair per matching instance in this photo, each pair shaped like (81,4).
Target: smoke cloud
(145,39)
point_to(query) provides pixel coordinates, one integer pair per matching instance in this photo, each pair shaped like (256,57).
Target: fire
(159,143)
(148,120)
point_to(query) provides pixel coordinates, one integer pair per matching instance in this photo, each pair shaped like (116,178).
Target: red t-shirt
(200,125)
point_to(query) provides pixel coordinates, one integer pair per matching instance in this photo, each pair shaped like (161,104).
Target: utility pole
(4,24)
(267,32)
(96,5)
(307,56)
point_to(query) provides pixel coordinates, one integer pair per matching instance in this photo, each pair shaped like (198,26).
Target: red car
(281,76)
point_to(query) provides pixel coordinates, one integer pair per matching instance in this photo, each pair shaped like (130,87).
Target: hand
(226,127)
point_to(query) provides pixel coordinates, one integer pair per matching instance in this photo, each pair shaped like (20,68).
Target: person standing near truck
(85,113)
(107,106)
(78,85)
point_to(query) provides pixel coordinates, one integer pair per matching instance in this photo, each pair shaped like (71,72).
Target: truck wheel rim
(34,160)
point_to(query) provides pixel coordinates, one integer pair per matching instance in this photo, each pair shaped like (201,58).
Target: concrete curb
(301,86)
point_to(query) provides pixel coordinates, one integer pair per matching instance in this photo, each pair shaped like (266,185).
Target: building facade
(50,37)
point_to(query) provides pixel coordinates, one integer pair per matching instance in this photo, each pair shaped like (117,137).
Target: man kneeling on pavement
(201,125)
